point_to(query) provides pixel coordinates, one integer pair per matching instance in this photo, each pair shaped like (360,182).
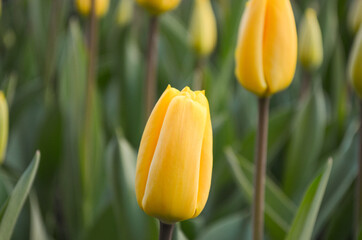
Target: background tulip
(157,7)
(85,5)
(174,164)
(4,126)
(355,64)
(124,12)
(355,15)
(203,28)
(310,41)
(266,52)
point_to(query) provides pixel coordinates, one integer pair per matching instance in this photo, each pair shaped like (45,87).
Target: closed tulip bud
(174,164)
(4,126)
(124,12)
(355,15)
(355,64)
(84,7)
(310,41)
(156,7)
(266,53)
(203,28)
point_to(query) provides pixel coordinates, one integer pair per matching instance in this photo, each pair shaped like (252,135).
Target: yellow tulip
(157,7)
(310,41)
(266,53)
(355,15)
(203,28)
(355,64)
(124,12)
(4,126)
(84,7)
(174,164)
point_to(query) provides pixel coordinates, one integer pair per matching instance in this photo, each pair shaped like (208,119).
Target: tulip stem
(260,169)
(305,84)
(198,77)
(151,65)
(166,231)
(359,182)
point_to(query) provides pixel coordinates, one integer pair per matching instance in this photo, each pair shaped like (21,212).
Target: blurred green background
(90,195)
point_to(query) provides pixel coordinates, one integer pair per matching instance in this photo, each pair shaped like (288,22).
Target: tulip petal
(279,45)
(173,179)
(205,161)
(149,140)
(249,52)
(158,6)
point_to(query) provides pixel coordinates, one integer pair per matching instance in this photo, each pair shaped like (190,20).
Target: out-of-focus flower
(157,7)
(203,28)
(84,7)
(124,12)
(4,126)
(310,41)
(174,162)
(355,64)
(266,53)
(355,15)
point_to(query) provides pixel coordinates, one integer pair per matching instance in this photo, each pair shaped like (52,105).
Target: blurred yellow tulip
(355,15)
(174,162)
(203,28)
(124,12)
(84,7)
(156,7)
(355,64)
(4,126)
(310,41)
(266,53)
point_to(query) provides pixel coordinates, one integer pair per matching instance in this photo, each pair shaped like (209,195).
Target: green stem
(198,83)
(151,65)
(260,169)
(166,231)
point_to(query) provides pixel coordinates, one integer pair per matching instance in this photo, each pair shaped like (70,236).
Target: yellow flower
(4,126)
(266,53)
(355,15)
(84,7)
(157,7)
(310,41)
(124,12)
(203,28)
(174,162)
(355,64)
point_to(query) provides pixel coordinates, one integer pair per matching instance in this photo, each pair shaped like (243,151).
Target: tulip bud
(174,164)
(157,7)
(310,41)
(4,126)
(266,53)
(124,12)
(355,64)
(203,28)
(84,7)
(355,15)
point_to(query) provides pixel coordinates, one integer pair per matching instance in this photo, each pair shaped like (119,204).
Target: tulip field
(180,119)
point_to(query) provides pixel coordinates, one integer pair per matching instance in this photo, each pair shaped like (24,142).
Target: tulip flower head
(355,64)
(174,163)
(266,53)
(355,15)
(4,126)
(203,28)
(156,7)
(84,7)
(310,41)
(124,12)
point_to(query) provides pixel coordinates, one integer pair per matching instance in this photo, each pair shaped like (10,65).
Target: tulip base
(260,169)
(166,231)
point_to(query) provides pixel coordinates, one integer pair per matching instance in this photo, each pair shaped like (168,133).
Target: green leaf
(279,209)
(303,223)
(37,227)
(17,198)
(236,226)
(305,143)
